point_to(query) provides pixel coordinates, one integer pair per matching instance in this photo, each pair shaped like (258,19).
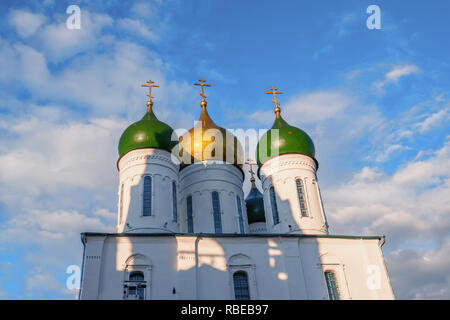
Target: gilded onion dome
(287,138)
(207,141)
(148,132)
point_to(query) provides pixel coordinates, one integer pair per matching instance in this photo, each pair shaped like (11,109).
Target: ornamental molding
(150,156)
(193,170)
(270,168)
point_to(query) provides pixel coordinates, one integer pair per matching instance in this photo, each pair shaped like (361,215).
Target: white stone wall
(133,166)
(199,181)
(281,172)
(201,267)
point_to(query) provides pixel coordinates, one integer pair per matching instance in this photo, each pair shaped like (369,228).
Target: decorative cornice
(147,155)
(279,164)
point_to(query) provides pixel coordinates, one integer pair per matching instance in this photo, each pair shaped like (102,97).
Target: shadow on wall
(200,267)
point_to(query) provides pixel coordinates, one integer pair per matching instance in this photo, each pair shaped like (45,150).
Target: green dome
(148,132)
(255,206)
(290,140)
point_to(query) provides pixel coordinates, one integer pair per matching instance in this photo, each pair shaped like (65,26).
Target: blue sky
(375,102)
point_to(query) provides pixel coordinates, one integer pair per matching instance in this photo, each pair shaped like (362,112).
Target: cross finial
(274,91)
(203,85)
(150,84)
(252,179)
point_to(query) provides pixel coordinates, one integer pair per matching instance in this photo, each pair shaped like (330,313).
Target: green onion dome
(148,132)
(290,140)
(255,205)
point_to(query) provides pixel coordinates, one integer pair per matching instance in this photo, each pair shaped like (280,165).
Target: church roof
(207,141)
(148,132)
(283,138)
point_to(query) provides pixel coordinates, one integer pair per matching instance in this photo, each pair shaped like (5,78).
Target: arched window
(135,286)
(241,219)
(190,219)
(174,201)
(216,212)
(301,197)
(333,290)
(147,208)
(136,276)
(240,282)
(273,202)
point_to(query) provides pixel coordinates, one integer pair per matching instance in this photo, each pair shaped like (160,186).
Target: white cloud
(138,28)
(26,23)
(386,153)
(58,175)
(411,207)
(43,281)
(49,157)
(421,273)
(59,229)
(433,120)
(318,106)
(400,71)
(147,10)
(395,74)
(60,43)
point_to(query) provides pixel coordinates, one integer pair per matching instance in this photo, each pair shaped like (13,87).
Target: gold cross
(203,84)
(150,84)
(250,163)
(274,91)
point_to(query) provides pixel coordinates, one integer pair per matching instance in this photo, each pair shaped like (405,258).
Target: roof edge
(231,235)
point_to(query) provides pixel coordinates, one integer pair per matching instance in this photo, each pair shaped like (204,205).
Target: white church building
(185,230)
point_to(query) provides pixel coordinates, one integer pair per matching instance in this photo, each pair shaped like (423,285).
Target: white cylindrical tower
(212,199)
(148,178)
(291,188)
(287,169)
(148,192)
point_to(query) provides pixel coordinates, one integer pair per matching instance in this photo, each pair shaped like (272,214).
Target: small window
(147,210)
(241,219)
(240,282)
(273,202)
(301,197)
(174,201)
(134,288)
(333,290)
(190,219)
(216,212)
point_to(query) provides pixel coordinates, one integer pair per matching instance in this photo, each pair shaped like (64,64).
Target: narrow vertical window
(121,204)
(240,282)
(190,220)
(333,290)
(216,212)
(273,202)
(174,201)
(241,219)
(147,211)
(301,197)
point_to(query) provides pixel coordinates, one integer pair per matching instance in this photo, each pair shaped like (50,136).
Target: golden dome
(207,141)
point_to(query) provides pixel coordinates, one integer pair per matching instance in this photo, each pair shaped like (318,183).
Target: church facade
(186,231)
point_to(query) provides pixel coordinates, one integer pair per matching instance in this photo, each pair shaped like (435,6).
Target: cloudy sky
(375,102)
